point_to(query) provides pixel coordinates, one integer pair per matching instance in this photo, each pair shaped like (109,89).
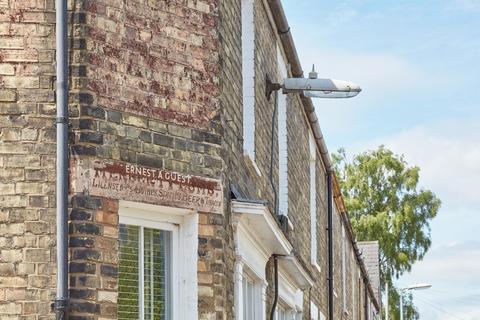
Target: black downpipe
(275,297)
(330,245)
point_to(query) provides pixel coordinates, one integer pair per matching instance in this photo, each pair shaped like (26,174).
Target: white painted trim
(141,267)
(313,311)
(353,282)
(257,237)
(238,289)
(248,76)
(257,221)
(250,159)
(317,266)
(313,200)
(295,273)
(322,316)
(282,140)
(184,253)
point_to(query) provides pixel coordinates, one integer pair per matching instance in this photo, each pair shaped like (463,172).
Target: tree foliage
(385,203)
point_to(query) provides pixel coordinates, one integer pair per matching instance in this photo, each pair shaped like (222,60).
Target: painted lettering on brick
(123,181)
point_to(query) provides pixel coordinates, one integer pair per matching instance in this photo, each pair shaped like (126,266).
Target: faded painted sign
(131,182)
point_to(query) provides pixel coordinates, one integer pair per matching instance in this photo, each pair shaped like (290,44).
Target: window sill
(251,164)
(317,267)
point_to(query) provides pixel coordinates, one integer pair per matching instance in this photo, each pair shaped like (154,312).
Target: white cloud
(448,154)
(340,15)
(452,270)
(376,72)
(382,76)
(464,5)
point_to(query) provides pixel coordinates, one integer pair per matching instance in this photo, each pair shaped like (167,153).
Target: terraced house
(193,191)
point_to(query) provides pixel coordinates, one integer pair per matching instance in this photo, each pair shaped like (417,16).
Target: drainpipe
(61,300)
(330,244)
(275,297)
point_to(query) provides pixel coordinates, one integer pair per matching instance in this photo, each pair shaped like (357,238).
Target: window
(282,313)
(313,201)
(359,296)
(344,270)
(145,272)
(257,237)
(322,316)
(354,308)
(248,78)
(250,303)
(157,262)
(282,140)
(313,311)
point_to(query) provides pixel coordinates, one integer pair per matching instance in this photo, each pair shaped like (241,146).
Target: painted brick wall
(149,96)
(154,58)
(154,83)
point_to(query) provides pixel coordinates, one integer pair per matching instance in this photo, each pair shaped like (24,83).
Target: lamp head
(418,286)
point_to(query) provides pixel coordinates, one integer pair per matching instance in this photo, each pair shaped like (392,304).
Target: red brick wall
(154,58)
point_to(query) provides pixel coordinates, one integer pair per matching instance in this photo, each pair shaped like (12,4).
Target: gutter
(61,121)
(286,38)
(344,215)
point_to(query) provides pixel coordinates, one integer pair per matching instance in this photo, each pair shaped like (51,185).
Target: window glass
(145,275)
(128,272)
(281,313)
(248,299)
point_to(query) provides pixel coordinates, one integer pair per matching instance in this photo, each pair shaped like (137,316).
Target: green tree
(385,203)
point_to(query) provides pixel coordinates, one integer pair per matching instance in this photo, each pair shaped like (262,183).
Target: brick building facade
(183,195)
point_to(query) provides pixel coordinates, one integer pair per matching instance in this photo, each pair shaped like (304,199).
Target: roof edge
(283,30)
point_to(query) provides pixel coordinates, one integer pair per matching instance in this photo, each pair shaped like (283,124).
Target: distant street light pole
(419,286)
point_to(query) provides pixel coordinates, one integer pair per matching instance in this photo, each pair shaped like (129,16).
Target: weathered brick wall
(27,153)
(255,186)
(154,83)
(148,95)
(93,257)
(155,58)
(230,100)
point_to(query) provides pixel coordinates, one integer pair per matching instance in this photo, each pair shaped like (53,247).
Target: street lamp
(313,87)
(418,286)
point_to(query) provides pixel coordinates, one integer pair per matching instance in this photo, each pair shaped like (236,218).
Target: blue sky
(418,63)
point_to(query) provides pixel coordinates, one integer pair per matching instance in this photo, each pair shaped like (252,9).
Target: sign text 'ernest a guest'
(130,182)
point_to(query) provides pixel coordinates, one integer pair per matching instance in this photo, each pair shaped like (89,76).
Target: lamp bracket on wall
(270,87)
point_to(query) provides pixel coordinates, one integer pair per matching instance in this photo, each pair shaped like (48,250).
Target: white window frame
(322,316)
(344,270)
(257,294)
(183,223)
(290,291)
(290,313)
(282,139)
(313,202)
(248,80)
(170,227)
(257,237)
(354,307)
(313,311)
